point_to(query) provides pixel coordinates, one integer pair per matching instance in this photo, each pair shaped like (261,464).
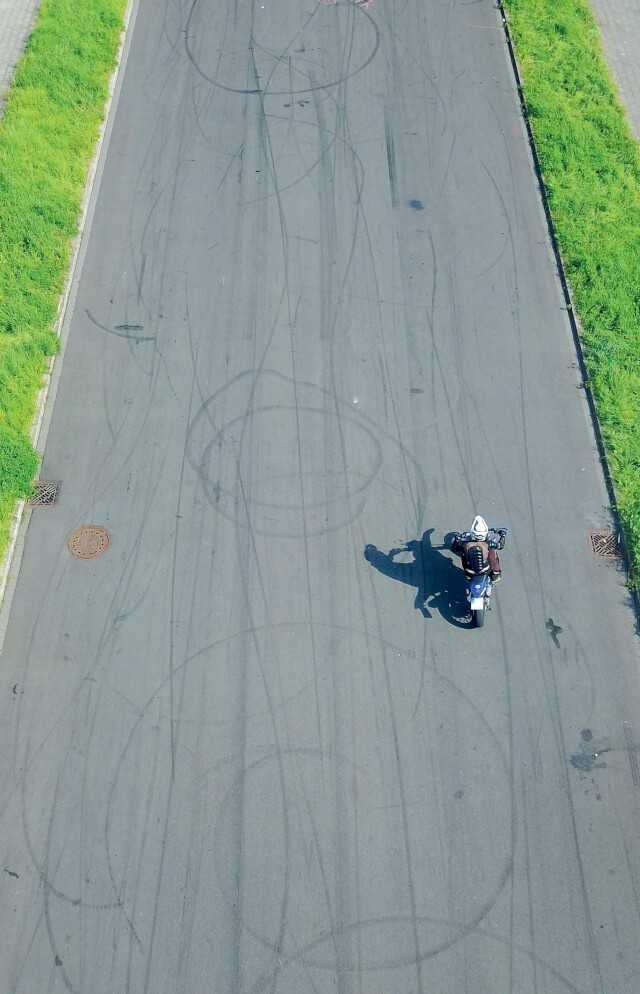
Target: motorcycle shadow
(440,583)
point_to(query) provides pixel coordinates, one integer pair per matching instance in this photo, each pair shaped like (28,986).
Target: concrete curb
(10,567)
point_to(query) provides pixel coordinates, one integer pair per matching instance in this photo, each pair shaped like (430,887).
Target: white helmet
(479,529)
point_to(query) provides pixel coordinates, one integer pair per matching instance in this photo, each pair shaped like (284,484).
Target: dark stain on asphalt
(11,873)
(554,630)
(586,761)
(119,331)
(589,756)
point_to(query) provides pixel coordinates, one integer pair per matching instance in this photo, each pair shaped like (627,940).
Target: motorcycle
(480,584)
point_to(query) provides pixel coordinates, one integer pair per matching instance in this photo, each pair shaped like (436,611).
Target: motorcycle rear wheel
(478,618)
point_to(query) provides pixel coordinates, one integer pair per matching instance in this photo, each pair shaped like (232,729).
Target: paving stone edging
(17,18)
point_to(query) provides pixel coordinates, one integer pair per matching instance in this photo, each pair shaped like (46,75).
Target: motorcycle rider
(478,549)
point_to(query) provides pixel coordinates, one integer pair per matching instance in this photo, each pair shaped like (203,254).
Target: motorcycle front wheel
(478,618)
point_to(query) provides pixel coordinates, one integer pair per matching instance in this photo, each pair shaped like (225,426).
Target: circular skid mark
(283,482)
(40,789)
(519,961)
(88,542)
(313,480)
(278,49)
(293,819)
(298,831)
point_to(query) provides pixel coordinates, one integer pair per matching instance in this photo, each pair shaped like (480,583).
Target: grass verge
(591,167)
(48,133)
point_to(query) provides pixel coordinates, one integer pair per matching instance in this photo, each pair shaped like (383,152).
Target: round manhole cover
(89,541)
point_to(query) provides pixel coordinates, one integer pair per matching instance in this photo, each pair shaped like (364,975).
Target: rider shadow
(440,583)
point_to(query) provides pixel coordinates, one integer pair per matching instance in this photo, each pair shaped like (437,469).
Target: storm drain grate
(605,543)
(89,542)
(45,493)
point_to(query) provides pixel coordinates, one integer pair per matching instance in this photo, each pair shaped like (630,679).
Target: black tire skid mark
(155,369)
(515,310)
(138,865)
(55,949)
(61,563)
(541,652)
(171,669)
(256,90)
(244,579)
(417,498)
(386,18)
(150,159)
(296,754)
(186,918)
(463,929)
(435,361)
(173,594)
(514,544)
(354,491)
(104,638)
(151,790)
(47,884)
(466,432)
(72,702)
(140,273)
(247,633)
(551,686)
(478,929)
(330,242)
(245,546)
(351,149)
(308,169)
(330,251)
(204,410)
(132,340)
(283,786)
(401,787)
(90,720)
(468,484)
(252,632)
(420,980)
(41,867)
(344,456)
(246,542)
(193,864)
(269,156)
(248,537)
(211,92)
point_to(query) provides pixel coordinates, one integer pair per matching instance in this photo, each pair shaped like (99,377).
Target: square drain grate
(45,493)
(605,543)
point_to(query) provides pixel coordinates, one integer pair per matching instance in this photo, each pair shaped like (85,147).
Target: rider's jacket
(479,557)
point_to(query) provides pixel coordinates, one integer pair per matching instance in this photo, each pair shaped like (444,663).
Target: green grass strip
(48,133)
(591,166)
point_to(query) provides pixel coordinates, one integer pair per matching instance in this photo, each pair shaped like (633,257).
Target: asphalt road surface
(318,311)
